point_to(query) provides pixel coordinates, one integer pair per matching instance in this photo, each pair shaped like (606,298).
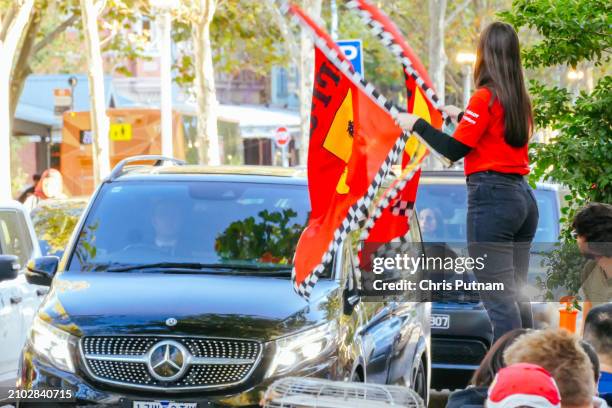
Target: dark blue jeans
(502,219)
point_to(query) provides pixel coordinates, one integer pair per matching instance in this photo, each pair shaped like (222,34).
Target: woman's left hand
(407,121)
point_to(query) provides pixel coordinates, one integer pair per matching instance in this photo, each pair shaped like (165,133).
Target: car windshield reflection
(153,226)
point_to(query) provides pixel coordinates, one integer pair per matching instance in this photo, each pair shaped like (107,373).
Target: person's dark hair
(36,177)
(493,361)
(594,223)
(598,330)
(590,351)
(498,68)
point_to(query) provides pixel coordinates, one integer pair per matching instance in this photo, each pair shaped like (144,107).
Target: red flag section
(353,143)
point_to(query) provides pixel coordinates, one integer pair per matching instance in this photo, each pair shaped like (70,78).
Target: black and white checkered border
(387,198)
(402,208)
(391,42)
(393,247)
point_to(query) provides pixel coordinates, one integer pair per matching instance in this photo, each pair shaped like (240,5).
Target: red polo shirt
(482,128)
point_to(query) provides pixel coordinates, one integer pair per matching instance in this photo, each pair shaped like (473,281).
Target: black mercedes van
(175,291)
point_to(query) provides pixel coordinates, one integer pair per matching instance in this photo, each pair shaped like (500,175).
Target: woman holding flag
(493,134)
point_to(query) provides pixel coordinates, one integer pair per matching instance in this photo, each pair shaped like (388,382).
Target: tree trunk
(9,41)
(21,68)
(206,94)
(306,73)
(437,55)
(99,120)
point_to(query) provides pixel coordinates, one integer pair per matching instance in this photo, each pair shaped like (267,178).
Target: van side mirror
(9,267)
(42,270)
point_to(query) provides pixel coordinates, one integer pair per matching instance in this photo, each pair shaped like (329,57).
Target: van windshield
(210,223)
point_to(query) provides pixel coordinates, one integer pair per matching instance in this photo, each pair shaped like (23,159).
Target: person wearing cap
(523,385)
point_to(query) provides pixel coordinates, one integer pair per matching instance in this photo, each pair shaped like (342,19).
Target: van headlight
(295,350)
(52,343)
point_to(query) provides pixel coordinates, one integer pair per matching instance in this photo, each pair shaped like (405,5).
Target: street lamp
(165,44)
(575,77)
(467,59)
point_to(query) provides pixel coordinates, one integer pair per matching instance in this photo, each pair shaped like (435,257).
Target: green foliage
(273,239)
(243,37)
(121,43)
(564,265)
(571,30)
(579,154)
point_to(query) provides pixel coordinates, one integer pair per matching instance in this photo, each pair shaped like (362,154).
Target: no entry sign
(282,137)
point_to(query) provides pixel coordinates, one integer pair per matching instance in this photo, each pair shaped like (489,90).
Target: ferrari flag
(354,141)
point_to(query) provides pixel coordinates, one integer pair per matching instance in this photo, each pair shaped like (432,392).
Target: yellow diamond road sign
(121,132)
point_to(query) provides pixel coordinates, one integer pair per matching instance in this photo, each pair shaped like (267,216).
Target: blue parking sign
(353,49)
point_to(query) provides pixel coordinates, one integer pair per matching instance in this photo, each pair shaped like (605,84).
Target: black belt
(511,176)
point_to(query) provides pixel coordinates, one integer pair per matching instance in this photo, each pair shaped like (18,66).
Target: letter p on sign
(353,50)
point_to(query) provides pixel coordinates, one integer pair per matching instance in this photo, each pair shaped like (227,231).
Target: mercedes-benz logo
(168,360)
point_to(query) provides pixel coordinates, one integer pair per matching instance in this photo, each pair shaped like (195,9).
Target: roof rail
(159,160)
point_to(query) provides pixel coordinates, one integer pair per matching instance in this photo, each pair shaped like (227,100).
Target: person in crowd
(29,190)
(593,229)
(523,385)
(493,361)
(50,185)
(560,353)
(598,333)
(432,225)
(493,135)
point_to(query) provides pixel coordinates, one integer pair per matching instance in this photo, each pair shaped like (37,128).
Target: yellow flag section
(339,140)
(415,150)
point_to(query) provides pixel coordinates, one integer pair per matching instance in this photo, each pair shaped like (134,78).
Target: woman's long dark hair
(493,361)
(498,68)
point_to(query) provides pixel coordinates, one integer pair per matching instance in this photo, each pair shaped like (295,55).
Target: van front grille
(151,362)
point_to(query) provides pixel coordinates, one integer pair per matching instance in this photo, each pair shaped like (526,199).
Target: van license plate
(440,321)
(164,404)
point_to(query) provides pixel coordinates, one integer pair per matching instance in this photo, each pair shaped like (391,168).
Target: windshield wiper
(196,266)
(158,265)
